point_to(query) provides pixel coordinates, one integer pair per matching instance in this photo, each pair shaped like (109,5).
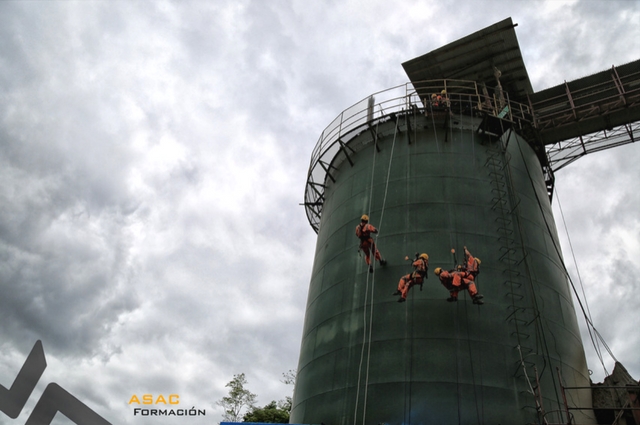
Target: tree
(271,413)
(238,398)
(289,377)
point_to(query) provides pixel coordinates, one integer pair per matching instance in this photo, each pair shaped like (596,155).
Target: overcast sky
(153,156)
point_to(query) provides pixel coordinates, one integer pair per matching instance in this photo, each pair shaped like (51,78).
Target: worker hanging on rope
(462,275)
(367,245)
(472,264)
(421,266)
(457,280)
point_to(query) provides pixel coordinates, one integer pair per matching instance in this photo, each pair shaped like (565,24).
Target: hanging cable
(366,293)
(564,266)
(367,341)
(595,343)
(557,249)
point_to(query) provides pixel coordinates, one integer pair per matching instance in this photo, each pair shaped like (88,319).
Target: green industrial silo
(434,176)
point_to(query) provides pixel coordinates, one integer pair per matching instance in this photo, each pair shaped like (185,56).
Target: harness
(422,271)
(363,234)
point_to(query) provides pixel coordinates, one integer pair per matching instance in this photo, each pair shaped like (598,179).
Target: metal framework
(460,96)
(562,123)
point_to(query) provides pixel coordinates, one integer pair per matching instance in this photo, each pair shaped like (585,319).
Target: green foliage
(271,413)
(238,398)
(289,377)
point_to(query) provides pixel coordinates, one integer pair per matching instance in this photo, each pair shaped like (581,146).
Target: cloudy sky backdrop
(153,157)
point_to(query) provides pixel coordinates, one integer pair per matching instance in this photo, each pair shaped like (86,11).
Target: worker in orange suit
(367,245)
(472,264)
(457,280)
(420,265)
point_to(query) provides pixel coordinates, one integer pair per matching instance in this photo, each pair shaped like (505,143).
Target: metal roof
(474,57)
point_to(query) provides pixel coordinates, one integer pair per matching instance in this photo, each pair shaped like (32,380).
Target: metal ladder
(519,314)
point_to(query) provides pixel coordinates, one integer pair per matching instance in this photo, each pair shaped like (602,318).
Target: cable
(589,322)
(595,343)
(557,249)
(366,293)
(372,256)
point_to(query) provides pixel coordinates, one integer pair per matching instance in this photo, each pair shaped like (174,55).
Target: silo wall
(431,184)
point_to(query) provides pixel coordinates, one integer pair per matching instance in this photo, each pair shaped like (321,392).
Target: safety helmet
(364,217)
(437,271)
(478,261)
(424,256)
(443,92)
(433,95)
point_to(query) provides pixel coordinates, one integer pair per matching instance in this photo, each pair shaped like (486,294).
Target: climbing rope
(595,342)
(566,271)
(366,293)
(367,341)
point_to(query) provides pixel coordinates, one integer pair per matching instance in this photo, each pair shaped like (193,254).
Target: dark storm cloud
(64,170)
(153,157)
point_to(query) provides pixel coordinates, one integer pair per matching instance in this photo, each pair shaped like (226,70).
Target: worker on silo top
(421,265)
(472,263)
(367,245)
(455,281)
(435,101)
(444,101)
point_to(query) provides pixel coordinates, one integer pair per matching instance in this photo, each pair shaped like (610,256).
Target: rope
(433,122)
(479,406)
(458,363)
(588,320)
(372,256)
(473,376)
(591,336)
(366,293)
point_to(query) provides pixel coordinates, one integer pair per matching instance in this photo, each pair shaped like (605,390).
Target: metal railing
(613,92)
(459,95)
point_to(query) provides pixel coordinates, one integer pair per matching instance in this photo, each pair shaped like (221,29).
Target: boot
(397,293)
(452,299)
(478,300)
(383,262)
(401,300)
(370,269)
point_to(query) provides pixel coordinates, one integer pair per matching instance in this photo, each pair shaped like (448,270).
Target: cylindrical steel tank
(432,182)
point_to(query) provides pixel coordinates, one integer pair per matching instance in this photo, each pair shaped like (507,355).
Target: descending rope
(557,249)
(367,341)
(595,343)
(366,293)
(480,404)
(409,318)
(566,272)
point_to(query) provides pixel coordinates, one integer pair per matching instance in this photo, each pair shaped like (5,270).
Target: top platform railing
(464,97)
(590,104)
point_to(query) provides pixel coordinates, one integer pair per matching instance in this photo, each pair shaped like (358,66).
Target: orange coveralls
(472,265)
(416,278)
(366,241)
(458,280)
